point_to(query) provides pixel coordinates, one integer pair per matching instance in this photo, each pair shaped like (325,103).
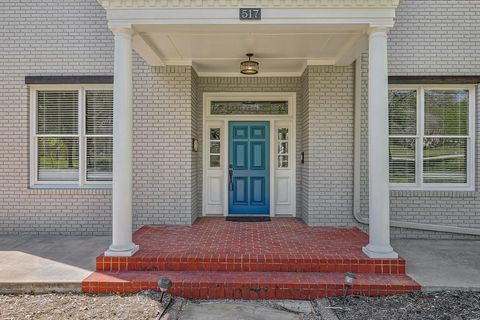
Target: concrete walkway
(42,263)
(442,264)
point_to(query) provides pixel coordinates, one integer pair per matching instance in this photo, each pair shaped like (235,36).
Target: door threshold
(248,218)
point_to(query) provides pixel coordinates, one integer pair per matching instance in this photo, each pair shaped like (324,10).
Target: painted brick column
(378,162)
(122,245)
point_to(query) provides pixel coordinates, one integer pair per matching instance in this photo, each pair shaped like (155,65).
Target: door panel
(249,178)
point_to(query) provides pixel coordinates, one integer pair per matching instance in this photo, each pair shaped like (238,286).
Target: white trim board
(215,201)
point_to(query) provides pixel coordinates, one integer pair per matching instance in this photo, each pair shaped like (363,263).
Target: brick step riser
(253,267)
(259,292)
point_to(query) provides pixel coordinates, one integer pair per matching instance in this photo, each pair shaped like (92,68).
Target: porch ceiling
(280,49)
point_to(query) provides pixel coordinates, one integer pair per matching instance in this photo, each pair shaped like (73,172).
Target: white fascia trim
(292,4)
(188,16)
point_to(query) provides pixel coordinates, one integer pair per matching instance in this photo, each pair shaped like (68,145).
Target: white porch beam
(122,245)
(147,51)
(378,165)
(352,50)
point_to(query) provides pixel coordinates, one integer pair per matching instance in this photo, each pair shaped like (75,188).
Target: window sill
(431,188)
(71,189)
(458,192)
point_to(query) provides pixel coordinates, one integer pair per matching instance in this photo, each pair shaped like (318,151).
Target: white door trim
(221,121)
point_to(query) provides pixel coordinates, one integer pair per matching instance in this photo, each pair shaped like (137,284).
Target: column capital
(381,30)
(122,30)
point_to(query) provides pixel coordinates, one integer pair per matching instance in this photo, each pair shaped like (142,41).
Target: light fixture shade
(349,278)
(164,284)
(249,66)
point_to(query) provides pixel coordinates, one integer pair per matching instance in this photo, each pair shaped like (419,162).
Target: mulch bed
(442,305)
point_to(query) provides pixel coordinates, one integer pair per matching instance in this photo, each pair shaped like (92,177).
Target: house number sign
(250,14)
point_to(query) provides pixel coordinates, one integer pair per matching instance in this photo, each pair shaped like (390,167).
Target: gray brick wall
(328,137)
(164,164)
(197,121)
(67,37)
(303,130)
(72,38)
(436,37)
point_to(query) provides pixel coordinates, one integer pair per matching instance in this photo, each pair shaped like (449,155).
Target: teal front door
(248,171)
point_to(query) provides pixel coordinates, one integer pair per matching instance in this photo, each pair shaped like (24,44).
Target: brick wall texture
(327,181)
(67,37)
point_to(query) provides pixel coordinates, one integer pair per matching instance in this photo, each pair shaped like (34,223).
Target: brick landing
(223,259)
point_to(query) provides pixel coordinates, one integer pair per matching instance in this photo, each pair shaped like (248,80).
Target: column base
(379,252)
(121,251)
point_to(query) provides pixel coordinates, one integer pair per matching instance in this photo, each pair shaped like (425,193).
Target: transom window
(431,137)
(249,107)
(72,136)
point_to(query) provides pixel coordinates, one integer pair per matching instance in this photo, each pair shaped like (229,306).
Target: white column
(122,245)
(379,195)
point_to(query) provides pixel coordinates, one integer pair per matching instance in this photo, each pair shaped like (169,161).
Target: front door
(248,171)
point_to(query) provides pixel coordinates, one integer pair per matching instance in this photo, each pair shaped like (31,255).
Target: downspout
(356,173)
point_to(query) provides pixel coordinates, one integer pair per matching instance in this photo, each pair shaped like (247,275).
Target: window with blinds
(72,138)
(431,137)
(99,135)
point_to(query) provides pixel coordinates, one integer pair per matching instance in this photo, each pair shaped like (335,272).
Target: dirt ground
(78,306)
(442,305)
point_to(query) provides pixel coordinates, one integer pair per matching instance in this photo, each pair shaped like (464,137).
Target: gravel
(441,305)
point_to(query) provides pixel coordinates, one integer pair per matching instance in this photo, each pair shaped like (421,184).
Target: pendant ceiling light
(249,66)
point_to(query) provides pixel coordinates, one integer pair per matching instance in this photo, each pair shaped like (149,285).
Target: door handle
(230,177)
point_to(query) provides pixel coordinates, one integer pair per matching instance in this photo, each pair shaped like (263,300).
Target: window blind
(402,124)
(99,112)
(57,112)
(99,121)
(402,112)
(446,112)
(446,134)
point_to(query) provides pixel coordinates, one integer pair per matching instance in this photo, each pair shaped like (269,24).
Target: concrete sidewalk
(442,264)
(46,263)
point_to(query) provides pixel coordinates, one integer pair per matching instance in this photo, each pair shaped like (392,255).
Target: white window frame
(419,184)
(81,135)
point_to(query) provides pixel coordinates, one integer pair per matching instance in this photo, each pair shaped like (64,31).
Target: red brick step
(251,263)
(249,285)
